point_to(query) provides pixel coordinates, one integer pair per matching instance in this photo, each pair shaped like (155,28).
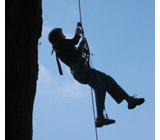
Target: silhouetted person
(72,56)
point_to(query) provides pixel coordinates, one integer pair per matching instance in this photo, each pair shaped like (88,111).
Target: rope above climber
(101,83)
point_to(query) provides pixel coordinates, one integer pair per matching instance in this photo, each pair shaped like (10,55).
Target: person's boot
(133,102)
(103,121)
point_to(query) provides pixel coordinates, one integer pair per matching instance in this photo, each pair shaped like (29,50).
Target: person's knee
(109,78)
(110,82)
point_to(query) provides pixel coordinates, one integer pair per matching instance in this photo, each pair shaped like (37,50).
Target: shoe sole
(106,123)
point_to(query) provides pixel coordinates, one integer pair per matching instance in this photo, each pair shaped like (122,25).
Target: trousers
(100,82)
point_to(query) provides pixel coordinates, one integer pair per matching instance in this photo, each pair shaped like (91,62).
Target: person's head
(55,34)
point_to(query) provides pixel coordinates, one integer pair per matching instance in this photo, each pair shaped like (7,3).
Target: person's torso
(67,52)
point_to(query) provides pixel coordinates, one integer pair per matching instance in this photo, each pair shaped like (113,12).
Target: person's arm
(73,41)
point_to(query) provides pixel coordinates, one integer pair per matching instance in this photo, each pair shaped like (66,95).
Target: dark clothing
(83,73)
(67,51)
(101,83)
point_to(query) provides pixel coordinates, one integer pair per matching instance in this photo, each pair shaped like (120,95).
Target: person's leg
(111,86)
(117,93)
(95,82)
(100,101)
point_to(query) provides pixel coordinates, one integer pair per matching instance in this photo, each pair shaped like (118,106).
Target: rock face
(23,29)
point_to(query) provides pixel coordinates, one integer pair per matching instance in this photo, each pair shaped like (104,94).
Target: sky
(121,37)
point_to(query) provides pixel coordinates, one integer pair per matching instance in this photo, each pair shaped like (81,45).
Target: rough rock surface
(23,29)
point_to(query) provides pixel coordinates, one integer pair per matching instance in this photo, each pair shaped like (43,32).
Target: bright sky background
(122,38)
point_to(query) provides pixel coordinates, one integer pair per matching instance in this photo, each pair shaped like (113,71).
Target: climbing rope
(86,50)
(94,115)
(80,15)
(88,57)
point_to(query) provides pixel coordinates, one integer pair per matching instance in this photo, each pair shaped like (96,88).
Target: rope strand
(80,11)
(80,15)
(94,114)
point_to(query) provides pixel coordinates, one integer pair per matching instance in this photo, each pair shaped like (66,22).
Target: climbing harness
(58,63)
(85,48)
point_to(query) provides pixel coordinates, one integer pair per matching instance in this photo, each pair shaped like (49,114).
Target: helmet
(54,35)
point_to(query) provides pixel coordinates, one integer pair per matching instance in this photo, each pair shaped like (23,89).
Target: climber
(71,55)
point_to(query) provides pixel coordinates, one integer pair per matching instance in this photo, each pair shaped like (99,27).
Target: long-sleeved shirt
(66,50)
